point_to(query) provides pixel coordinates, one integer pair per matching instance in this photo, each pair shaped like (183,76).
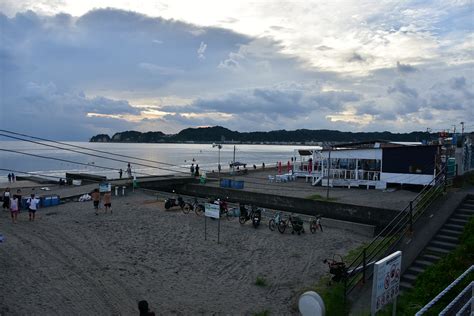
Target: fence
(461,305)
(361,268)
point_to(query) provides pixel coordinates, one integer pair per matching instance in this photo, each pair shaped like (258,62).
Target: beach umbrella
(279,167)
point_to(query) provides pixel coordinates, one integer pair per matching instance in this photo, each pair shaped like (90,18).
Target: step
(437,250)
(415,270)
(446,238)
(464,211)
(421,263)
(430,257)
(463,216)
(404,286)
(443,244)
(466,205)
(450,232)
(409,277)
(454,220)
(454,227)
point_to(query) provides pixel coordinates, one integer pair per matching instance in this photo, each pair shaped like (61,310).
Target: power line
(90,149)
(65,160)
(89,154)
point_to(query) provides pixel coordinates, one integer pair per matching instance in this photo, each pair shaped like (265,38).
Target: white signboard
(212,210)
(386,281)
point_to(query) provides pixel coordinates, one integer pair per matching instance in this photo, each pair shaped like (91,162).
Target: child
(33,204)
(96,199)
(14,208)
(108,202)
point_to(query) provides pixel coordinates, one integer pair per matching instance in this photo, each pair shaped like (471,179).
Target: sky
(73,69)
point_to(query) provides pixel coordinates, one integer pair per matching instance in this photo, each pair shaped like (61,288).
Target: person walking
(96,199)
(129,170)
(120,173)
(108,202)
(192,169)
(9,178)
(14,208)
(196,174)
(13,177)
(33,205)
(6,199)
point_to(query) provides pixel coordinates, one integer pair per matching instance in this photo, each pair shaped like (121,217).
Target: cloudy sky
(72,69)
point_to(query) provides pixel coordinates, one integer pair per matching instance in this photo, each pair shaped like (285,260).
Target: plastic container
(225,183)
(46,201)
(55,200)
(237,184)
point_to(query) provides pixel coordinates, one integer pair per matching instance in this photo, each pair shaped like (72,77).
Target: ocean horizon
(24,158)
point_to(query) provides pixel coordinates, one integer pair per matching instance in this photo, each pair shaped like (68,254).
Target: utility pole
(454,129)
(329,172)
(233,165)
(462,129)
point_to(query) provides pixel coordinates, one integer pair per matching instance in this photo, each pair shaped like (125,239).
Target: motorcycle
(255,215)
(170,202)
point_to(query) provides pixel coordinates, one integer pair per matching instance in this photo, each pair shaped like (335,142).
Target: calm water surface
(167,158)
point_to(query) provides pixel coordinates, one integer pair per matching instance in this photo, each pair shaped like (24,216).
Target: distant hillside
(222,134)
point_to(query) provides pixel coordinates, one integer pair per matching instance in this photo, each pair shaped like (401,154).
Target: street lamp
(219,147)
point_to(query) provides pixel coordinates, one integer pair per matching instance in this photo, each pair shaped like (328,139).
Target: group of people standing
(194,170)
(13,203)
(11,177)
(106,198)
(129,171)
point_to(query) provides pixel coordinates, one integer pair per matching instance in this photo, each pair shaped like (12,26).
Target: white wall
(406,178)
(375,153)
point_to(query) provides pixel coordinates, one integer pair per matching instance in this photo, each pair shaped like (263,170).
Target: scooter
(170,202)
(255,215)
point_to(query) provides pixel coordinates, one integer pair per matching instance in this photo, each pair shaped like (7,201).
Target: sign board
(212,210)
(105,187)
(385,287)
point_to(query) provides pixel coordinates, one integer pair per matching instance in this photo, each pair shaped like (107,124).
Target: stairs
(445,240)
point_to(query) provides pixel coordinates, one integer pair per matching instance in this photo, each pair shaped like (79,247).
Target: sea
(25,158)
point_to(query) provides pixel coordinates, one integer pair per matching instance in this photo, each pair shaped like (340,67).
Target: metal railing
(361,268)
(465,295)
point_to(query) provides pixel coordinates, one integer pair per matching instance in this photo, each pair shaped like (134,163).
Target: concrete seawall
(364,215)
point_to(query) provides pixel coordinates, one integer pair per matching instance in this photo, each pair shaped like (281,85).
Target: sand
(72,262)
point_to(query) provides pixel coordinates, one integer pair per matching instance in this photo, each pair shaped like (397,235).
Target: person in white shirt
(33,204)
(14,208)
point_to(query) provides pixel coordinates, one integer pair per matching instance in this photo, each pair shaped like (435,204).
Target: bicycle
(275,221)
(195,205)
(294,222)
(315,224)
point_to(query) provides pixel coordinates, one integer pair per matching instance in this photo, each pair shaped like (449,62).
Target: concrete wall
(338,211)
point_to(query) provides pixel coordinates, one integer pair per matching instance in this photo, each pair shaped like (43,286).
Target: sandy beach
(72,262)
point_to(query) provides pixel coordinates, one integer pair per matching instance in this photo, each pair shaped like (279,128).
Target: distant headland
(224,135)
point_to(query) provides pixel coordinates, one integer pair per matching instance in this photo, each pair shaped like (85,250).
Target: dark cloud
(356,58)
(457,83)
(400,86)
(405,68)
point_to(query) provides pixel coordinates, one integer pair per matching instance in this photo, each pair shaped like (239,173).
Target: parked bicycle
(315,224)
(295,222)
(275,221)
(195,205)
(255,215)
(337,268)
